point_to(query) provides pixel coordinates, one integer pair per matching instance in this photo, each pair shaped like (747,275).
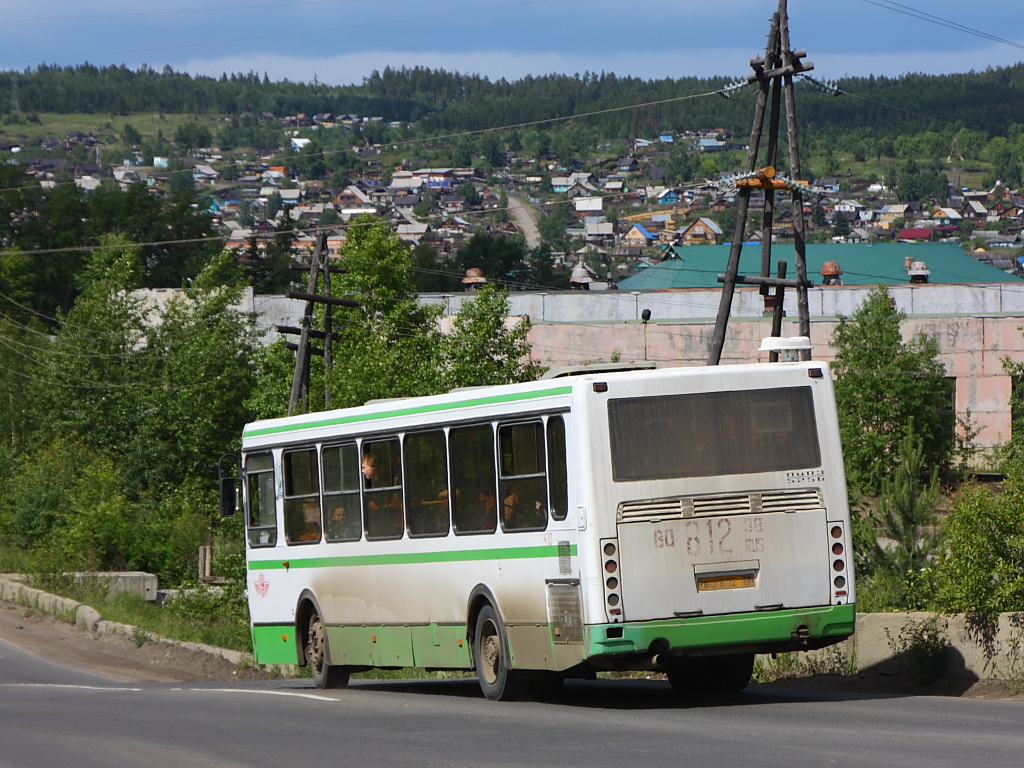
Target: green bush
(920,648)
(65,506)
(982,569)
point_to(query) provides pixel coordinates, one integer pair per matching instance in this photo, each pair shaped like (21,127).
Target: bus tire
(710,675)
(490,652)
(325,675)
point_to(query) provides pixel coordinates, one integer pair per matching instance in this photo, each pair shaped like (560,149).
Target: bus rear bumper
(800,629)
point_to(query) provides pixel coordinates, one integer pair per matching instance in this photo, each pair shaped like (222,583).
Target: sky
(342,41)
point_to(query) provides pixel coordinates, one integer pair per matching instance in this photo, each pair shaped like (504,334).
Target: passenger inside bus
(304,520)
(383,507)
(342,525)
(311,532)
(524,506)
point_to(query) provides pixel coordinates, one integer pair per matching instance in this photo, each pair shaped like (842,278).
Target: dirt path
(525,216)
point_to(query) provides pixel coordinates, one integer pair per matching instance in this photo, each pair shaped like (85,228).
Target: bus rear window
(713,433)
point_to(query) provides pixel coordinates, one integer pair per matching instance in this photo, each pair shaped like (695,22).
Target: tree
(391,345)
(88,381)
(982,571)
(901,573)
(482,348)
(500,257)
(432,275)
(192,135)
(886,388)
(131,136)
(386,347)
(469,191)
(552,226)
(840,226)
(198,366)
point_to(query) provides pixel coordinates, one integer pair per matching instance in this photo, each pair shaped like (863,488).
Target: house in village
(638,235)
(703,231)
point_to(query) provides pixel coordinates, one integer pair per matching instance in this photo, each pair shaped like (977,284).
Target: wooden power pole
(299,400)
(774,74)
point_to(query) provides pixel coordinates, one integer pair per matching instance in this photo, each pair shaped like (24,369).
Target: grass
(104,126)
(209,625)
(14,560)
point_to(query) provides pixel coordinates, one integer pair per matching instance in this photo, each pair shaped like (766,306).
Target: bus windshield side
(713,433)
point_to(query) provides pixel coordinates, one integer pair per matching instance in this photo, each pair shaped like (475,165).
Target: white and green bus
(679,520)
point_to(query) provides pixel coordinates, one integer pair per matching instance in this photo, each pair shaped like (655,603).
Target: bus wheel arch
(313,646)
(489,641)
(478,598)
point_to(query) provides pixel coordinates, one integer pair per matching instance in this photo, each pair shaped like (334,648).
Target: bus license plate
(725,581)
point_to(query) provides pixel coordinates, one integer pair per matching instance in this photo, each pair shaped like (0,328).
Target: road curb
(13,592)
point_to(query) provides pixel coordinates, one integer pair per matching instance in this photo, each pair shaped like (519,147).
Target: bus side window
(342,521)
(382,489)
(558,476)
(260,500)
(301,496)
(522,476)
(426,483)
(473,484)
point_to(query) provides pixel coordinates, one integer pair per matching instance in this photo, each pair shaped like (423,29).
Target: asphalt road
(55,716)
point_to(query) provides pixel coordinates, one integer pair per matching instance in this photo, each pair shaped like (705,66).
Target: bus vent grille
(726,504)
(565,614)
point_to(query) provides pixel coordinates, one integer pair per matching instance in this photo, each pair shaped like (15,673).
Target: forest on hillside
(438,100)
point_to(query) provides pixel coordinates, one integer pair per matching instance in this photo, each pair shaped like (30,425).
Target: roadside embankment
(953,646)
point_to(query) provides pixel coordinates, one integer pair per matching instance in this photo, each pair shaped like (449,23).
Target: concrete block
(135,582)
(87,618)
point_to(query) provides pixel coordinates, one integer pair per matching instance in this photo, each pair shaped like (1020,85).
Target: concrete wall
(973,651)
(972,349)
(975,325)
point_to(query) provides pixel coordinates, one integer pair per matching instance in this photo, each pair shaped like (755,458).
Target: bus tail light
(612,582)
(838,553)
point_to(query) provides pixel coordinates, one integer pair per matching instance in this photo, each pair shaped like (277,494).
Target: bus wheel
(710,675)
(497,681)
(324,674)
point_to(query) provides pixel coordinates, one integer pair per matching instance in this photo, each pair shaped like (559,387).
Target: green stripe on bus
(743,629)
(274,644)
(410,558)
(408,411)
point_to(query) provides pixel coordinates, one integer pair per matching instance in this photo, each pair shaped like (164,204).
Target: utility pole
(15,109)
(774,75)
(299,400)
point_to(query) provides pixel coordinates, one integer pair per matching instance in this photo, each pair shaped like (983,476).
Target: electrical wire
(915,13)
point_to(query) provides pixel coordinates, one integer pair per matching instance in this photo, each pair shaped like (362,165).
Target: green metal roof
(698,266)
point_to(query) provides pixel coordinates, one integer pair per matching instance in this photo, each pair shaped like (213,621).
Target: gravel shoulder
(136,659)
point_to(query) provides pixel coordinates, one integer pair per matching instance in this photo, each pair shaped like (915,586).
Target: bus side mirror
(228,497)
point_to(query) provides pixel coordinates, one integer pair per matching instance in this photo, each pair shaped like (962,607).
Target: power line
(914,13)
